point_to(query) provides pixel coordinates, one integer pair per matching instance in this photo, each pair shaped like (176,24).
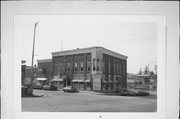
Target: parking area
(85,101)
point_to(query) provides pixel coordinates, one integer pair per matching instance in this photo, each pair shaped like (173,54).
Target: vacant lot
(58,101)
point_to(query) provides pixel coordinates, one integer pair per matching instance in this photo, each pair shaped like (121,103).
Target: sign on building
(97,82)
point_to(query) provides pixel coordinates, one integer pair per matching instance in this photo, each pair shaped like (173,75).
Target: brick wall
(47,68)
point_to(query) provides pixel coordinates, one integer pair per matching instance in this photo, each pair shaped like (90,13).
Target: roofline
(61,53)
(44,60)
(76,49)
(115,52)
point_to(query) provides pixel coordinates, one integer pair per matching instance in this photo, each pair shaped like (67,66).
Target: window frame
(94,67)
(75,66)
(88,66)
(68,66)
(81,66)
(98,66)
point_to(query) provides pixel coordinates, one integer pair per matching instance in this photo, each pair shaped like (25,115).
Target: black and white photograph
(87,63)
(98,61)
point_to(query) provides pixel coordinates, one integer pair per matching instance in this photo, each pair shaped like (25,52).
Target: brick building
(41,73)
(47,67)
(94,68)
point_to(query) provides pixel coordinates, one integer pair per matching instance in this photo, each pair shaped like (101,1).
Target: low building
(94,68)
(46,66)
(38,75)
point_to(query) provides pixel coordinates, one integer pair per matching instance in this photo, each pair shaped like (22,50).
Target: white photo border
(168,9)
(161,44)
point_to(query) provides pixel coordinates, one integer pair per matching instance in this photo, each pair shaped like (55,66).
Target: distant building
(94,68)
(37,73)
(144,76)
(46,66)
(142,81)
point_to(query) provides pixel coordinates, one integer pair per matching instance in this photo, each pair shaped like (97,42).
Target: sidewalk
(90,92)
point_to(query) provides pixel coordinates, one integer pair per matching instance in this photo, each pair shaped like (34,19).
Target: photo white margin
(161,44)
(170,9)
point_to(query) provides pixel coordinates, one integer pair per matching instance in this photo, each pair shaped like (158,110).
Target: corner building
(94,68)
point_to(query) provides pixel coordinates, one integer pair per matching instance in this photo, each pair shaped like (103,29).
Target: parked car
(53,87)
(24,91)
(38,86)
(46,87)
(131,93)
(49,87)
(70,89)
(142,93)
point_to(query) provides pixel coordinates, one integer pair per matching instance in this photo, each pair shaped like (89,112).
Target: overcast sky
(137,40)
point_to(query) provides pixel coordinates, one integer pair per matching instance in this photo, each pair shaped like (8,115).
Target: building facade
(94,68)
(41,73)
(47,68)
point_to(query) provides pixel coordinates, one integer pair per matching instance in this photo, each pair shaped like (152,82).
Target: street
(85,101)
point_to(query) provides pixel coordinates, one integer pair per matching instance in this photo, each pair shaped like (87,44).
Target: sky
(135,39)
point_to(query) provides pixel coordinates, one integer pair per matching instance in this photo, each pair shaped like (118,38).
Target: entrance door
(64,82)
(68,81)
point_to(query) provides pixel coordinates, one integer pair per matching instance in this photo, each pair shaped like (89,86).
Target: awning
(87,80)
(60,80)
(77,80)
(41,79)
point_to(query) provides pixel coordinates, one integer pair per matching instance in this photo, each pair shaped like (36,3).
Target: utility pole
(32,62)
(61,45)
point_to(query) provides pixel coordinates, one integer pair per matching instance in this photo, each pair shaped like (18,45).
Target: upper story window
(103,66)
(94,68)
(68,66)
(117,68)
(88,66)
(124,69)
(97,64)
(61,67)
(56,68)
(75,66)
(81,65)
(114,68)
(109,67)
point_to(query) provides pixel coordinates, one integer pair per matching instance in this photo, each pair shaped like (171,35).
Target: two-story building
(94,68)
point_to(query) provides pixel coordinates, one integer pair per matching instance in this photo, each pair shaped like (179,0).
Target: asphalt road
(58,101)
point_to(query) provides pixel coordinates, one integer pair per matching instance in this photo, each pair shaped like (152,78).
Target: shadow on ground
(116,94)
(32,96)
